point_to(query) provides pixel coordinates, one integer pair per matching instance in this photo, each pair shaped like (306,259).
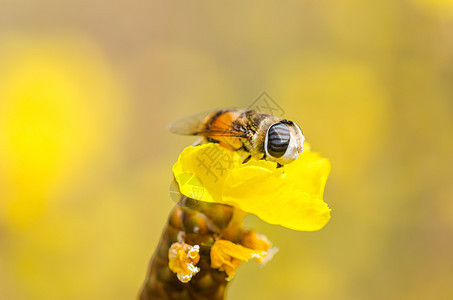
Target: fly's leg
(247,159)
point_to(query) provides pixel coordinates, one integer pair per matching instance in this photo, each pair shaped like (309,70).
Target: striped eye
(278,140)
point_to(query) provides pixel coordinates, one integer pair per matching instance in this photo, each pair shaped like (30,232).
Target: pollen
(182,259)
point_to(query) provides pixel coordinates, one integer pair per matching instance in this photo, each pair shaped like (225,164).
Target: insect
(263,136)
(259,135)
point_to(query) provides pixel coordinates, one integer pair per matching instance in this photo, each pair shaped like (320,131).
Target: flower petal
(201,170)
(290,196)
(228,256)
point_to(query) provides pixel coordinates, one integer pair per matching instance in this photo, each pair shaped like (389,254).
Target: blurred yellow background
(86,91)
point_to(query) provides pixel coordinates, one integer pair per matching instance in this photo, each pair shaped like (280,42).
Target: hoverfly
(262,135)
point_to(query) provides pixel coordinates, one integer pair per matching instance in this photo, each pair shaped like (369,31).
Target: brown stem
(201,224)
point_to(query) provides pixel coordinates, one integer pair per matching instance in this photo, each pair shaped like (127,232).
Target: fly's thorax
(259,124)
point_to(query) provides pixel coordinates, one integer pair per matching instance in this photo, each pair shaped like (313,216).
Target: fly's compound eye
(278,137)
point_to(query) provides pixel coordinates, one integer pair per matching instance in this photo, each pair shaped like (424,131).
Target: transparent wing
(195,125)
(192,124)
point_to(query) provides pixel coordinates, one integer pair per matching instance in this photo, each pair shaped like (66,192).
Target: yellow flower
(182,259)
(228,256)
(290,196)
(251,239)
(60,107)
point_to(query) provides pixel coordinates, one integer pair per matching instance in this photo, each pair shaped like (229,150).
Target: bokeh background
(86,91)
